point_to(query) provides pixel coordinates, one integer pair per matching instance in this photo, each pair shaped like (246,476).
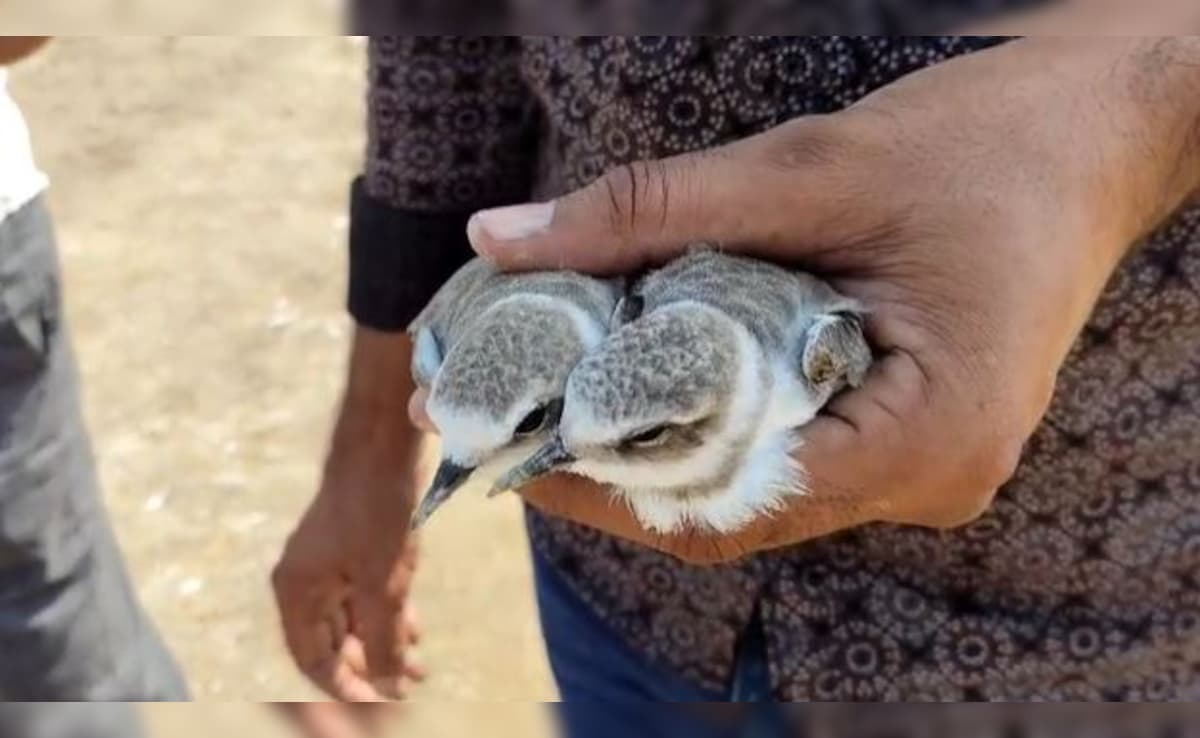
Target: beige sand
(199,188)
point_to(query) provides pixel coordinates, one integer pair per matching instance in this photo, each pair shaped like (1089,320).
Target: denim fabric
(609,690)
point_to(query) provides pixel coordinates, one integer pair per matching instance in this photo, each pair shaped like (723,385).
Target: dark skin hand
(342,582)
(15,48)
(977,208)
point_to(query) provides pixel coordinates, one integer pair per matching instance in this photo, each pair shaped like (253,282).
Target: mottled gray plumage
(500,347)
(689,405)
(494,349)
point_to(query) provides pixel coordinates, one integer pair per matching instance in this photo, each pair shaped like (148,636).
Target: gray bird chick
(494,350)
(689,407)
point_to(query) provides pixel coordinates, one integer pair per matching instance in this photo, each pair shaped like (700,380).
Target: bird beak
(546,459)
(449,477)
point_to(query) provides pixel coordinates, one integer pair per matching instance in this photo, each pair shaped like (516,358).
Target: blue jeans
(607,689)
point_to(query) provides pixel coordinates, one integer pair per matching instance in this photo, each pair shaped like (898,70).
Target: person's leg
(70,627)
(607,689)
(69,720)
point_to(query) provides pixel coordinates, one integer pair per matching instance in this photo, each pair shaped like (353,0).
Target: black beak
(449,477)
(546,459)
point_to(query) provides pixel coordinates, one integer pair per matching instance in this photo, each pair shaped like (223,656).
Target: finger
(321,719)
(383,688)
(412,624)
(379,622)
(349,675)
(884,422)
(417,413)
(625,219)
(781,188)
(314,626)
(583,501)
(414,666)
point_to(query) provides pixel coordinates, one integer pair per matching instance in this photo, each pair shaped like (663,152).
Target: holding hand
(976,209)
(342,583)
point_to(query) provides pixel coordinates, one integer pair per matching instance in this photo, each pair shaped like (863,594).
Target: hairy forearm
(1152,106)
(379,376)
(376,452)
(16,48)
(1119,118)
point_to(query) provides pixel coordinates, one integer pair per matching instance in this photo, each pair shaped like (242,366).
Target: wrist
(373,420)
(1119,130)
(1148,109)
(379,376)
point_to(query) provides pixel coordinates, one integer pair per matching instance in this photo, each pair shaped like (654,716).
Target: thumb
(380,619)
(744,195)
(631,216)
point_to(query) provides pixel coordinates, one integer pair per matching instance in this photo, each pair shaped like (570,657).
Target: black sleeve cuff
(399,259)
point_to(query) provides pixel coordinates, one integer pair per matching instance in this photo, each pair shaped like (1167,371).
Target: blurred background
(200,187)
(100,17)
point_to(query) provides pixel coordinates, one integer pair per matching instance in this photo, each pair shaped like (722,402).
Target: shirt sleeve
(451,130)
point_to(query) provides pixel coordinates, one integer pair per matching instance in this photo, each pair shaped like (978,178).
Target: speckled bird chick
(494,350)
(689,407)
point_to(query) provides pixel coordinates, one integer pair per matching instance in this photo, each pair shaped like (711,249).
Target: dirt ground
(199,187)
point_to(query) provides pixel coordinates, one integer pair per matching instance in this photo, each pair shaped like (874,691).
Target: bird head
(498,392)
(664,402)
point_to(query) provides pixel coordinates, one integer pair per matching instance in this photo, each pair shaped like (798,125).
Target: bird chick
(494,351)
(689,407)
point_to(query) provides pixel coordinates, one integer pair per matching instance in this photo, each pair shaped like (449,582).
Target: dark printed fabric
(676,17)
(1082,582)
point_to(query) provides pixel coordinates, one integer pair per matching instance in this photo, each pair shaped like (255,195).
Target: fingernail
(510,223)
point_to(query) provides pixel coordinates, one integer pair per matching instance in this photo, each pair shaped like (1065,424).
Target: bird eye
(532,423)
(650,437)
(539,419)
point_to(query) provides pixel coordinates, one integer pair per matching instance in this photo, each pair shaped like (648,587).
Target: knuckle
(700,549)
(636,196)
(1000,459)
(278,578)
(809,142)
(618,192)
(967,508)
(990,468)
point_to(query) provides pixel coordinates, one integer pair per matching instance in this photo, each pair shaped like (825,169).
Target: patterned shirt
(1082,582)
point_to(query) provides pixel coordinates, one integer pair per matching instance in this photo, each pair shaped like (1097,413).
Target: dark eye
(649,437)
(532,423)
(538,420)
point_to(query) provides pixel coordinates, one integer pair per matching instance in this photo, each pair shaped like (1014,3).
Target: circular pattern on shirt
(1087,396)
(659,585)
(644,58)
(860,663)
(623,136)
(909,615)
(1038,559)
(746,74)
(675,628)
(686,107)
(971,650)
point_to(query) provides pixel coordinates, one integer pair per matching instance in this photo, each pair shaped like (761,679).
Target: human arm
(977,207)
(348,566)
(15,48)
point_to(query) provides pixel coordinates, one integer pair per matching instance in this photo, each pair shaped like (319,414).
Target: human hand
(333,719)
(976,208)
(342,583)
(15,48)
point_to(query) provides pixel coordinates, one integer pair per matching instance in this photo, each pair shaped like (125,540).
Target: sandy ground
(199,187)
